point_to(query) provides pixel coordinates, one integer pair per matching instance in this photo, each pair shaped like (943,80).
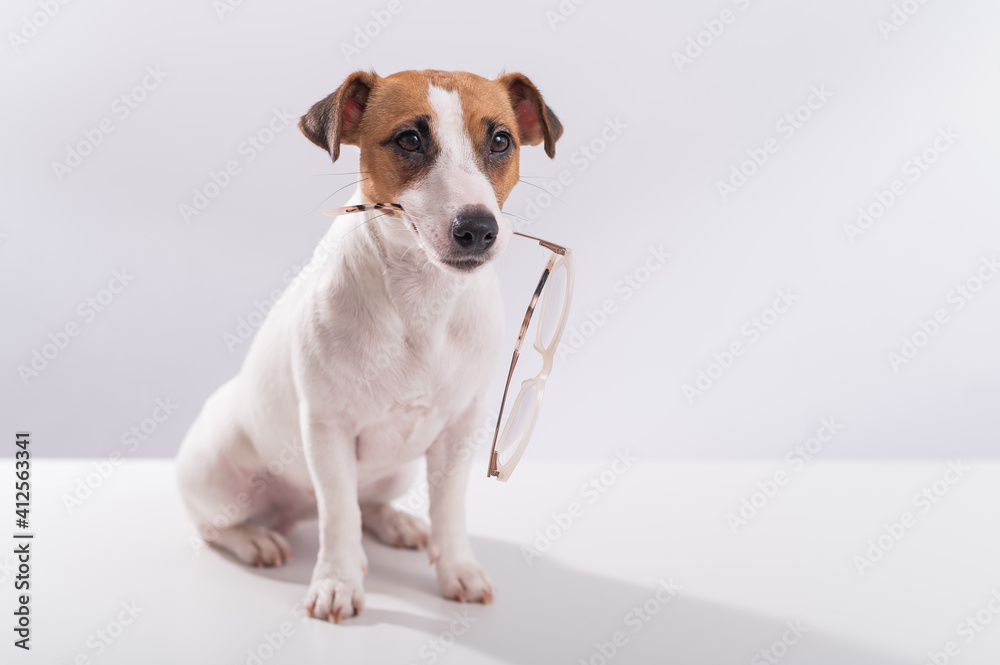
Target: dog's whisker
(416,244)
(311,175)
(374,237)
(524,219)
(355,228)
(365,221)
(363,245)
(337,190)
(384,230)
(371,219)
(544,190)
(518,216)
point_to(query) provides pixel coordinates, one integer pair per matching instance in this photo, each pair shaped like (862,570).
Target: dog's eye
(409,141)
(500,142)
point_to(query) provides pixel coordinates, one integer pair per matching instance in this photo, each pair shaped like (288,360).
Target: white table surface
(128,543)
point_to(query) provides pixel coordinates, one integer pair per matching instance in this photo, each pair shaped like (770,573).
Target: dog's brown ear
(536,123)
(335,119)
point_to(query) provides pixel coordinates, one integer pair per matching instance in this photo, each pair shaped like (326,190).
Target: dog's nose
(475,230)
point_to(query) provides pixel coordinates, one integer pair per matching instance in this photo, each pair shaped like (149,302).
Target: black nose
(474,230)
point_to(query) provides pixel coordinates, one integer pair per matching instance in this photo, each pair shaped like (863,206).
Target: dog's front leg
(459,574)
(336,589)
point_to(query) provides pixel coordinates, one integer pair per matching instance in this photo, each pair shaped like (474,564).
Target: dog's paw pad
(395,527)
(254,545)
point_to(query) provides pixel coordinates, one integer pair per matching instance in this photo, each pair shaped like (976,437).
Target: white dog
(384,352)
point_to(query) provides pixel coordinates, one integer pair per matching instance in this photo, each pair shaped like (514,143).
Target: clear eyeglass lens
(513,430)
(552,302)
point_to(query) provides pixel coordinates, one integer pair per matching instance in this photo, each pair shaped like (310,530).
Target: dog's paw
(395,527)
(463,580)
(336,591)
(254,545)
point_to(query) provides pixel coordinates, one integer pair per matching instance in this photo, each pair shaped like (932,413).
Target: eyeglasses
(552,297)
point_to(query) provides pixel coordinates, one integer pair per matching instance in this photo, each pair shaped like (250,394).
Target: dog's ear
(335,119)
(536,123)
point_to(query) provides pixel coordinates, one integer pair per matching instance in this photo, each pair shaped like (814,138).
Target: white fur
(380,356)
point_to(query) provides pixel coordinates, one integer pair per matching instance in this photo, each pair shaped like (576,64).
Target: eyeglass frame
(560,255)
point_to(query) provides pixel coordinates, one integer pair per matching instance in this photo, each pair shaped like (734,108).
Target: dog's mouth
(463,264)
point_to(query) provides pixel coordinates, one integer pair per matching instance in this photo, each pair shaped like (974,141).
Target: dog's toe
(395,527)
(464,581)
(333,596)
(254,545)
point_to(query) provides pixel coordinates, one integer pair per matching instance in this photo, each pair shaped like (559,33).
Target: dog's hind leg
(391,526)
(226,489)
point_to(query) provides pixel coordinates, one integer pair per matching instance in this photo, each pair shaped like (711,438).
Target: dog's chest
(414,363)
(428,388)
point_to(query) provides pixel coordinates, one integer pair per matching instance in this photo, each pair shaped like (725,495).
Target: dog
(383,353)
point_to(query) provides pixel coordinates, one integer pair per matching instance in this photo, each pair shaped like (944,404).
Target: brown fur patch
(396,103)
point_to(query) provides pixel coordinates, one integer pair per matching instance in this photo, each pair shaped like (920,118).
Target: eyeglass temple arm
(558,249)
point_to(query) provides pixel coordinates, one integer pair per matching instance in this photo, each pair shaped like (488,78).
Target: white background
(654,186)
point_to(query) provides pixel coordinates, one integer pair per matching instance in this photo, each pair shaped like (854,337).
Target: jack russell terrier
(382,354)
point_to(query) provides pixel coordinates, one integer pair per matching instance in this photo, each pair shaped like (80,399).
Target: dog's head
(444,145)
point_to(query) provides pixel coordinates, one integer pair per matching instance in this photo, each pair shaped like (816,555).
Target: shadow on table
(549,613)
